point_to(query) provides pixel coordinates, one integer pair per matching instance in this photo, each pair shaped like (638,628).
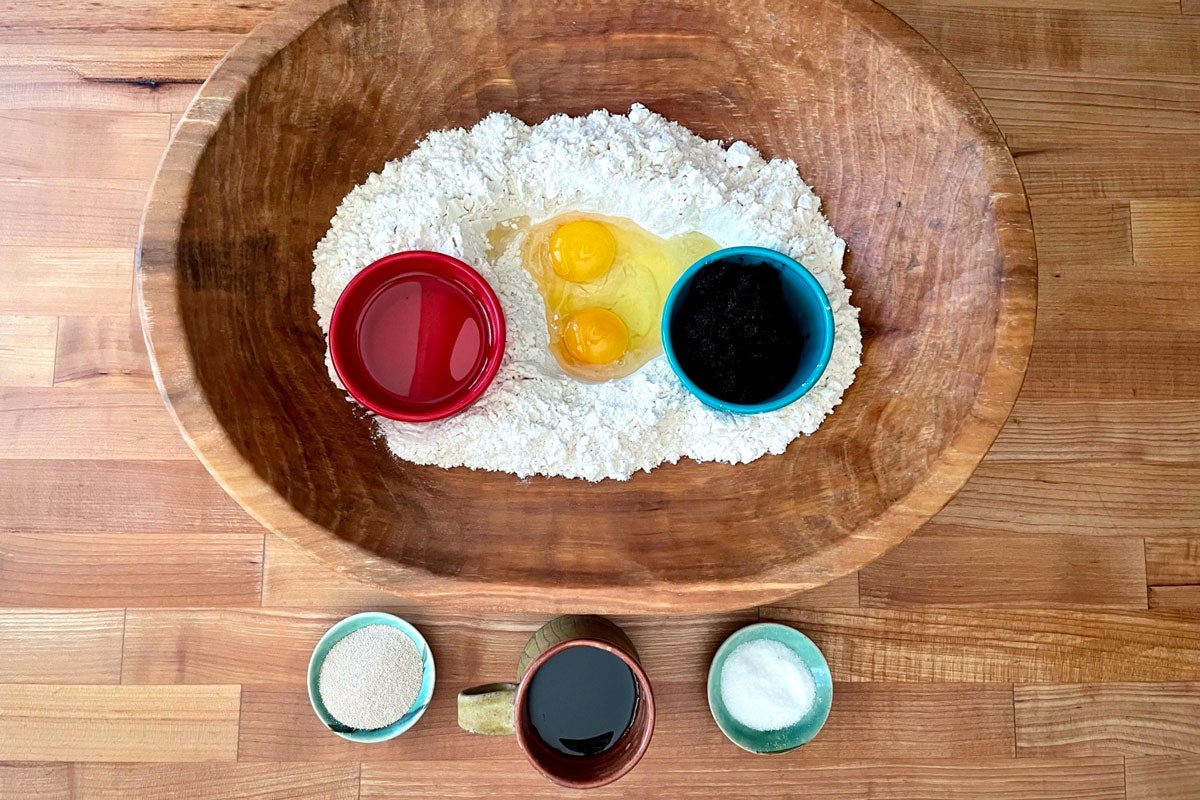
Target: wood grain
(1124,6)
(1020,571)
(1081,234)
(1173,572)
(118,723)
(215,781)
(1113,365)
(1079,779)
(1172,561)
(61,423)
(246,646)
(101,350)
(906,721)
(1086,253)
(144,58)
(893,721)
(64,570)
(978,37)
(49,496)
(1161,431)
(27,350)
(1113,165)
(1125,719)
(63,144)
(59,646)
(885,166)
(1086,498)
(1166,232)
(50,87)
(1053,101)
(839,593)
(78,280)
(43,781)
(234,16)
(1174,596)
(70,212)
(1161,778)
(292,577)
(1034,646)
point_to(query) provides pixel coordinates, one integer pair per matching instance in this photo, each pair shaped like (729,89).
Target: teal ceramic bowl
(805,298)
(785,739)
(346,627)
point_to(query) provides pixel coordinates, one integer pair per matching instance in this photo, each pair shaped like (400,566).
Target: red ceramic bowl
(417,336)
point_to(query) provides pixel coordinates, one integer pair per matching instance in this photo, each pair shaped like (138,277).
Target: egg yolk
(582,250)
(595,336)
(603,282)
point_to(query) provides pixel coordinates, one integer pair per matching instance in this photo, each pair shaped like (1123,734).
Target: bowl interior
(785,739)
(912,175)
(341,630)
(805,299)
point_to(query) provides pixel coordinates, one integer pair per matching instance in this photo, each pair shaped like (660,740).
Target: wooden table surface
(1040,638)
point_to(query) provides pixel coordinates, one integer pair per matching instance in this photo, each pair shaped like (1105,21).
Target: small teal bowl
(785,739)
(805,298)
(346,627)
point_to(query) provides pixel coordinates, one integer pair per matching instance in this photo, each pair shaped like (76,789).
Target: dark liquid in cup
(582,700)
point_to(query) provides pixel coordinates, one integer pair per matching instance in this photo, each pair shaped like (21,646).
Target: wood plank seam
(262,567)
(152,84)
(124,627)
(1145,560)
(1012,693)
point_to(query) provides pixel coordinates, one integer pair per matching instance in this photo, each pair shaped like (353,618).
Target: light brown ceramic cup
(500,708)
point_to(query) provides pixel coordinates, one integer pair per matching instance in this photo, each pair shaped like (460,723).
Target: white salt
(765,686)
(371,677)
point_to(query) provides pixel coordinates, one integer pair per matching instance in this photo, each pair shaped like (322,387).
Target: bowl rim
(159,286)
(340,630)
(818,714)
(792,271)
(474,285)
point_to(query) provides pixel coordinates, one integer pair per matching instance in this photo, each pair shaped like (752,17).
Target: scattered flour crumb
(534,419)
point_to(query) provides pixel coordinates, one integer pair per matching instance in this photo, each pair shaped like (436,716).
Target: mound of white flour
(534,419)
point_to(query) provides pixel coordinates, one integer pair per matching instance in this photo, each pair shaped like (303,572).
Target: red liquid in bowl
(417,336)
(414,360)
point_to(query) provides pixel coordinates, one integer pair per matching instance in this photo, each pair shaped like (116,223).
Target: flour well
(457,185)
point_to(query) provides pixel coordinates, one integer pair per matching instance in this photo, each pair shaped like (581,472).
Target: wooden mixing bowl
(913,173)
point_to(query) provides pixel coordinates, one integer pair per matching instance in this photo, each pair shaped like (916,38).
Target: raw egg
(604,281)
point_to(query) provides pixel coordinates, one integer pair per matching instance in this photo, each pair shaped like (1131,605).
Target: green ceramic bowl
(346,627)
(785,739)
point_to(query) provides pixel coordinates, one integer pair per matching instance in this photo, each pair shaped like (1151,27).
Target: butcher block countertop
(1039,639)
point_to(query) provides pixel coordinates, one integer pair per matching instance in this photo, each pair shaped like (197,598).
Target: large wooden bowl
(913,173)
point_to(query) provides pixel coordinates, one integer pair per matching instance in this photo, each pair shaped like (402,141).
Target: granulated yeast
(371,677)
